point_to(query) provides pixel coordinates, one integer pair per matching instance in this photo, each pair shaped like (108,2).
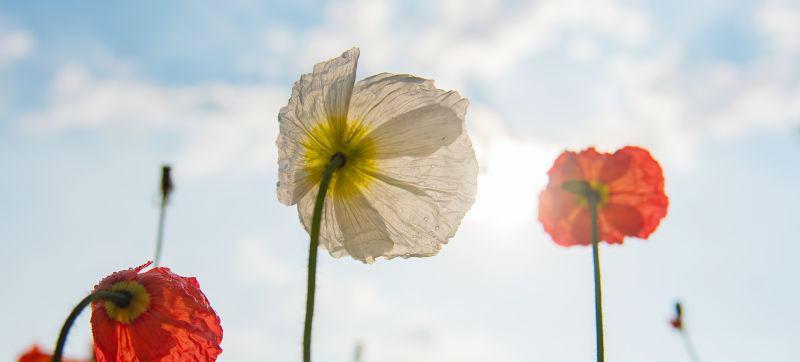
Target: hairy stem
(336,161)
(598,297)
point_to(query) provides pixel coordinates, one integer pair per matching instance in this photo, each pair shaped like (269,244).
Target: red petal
(642,188)
(566,167)
(624,218)
(616,166)
(581,224)
(556,206)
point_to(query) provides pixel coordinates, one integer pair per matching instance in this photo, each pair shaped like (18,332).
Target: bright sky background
(95,97)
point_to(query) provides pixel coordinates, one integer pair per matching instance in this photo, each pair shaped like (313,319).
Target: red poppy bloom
(36,355)
(629,185)
(168,319)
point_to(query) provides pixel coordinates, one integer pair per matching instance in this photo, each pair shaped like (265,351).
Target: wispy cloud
(14,46)
(220,127)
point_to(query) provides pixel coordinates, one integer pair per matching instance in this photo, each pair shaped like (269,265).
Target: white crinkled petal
(382,97)
(317,97)
(349,226)
(364,231)
(426,176)
(407,115)
(423,200)
(427,171)
(330,235)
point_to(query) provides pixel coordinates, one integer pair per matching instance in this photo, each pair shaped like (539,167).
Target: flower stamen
(127,311)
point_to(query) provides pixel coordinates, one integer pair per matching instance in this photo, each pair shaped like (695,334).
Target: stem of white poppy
(598,297)
(337,161)
(120,299)
(689,346)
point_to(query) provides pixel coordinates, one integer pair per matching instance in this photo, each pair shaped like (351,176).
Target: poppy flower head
(627,186)
(168,318)
(409,173)
(35,354)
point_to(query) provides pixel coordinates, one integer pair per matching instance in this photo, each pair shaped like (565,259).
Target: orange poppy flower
(167,319)
(36,355)
(629,185)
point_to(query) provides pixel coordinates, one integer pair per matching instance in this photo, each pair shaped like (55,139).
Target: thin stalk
(598,297)
(160,235)
(166,189)
(336,161)
(121,299)
(359,352)
(689,347)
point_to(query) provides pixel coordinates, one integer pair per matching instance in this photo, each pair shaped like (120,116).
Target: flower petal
(615,167)
(349,226)
(567,167)
(408,115)
(555,207)
(181,324)
(642,187)
(423,200)
(624,218)
(321,96)
(330,236)
(364,233)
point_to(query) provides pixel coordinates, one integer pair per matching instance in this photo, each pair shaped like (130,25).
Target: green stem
(121,299)
(336,161)
(598,297)
(160,235)
(166,189)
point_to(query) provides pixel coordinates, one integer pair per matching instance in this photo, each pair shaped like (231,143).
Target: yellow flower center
(588,189)
(351,139)
(140,302)
(601,190)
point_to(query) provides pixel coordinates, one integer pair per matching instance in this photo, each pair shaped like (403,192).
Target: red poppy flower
(629,185)
(36,355)
(168,319)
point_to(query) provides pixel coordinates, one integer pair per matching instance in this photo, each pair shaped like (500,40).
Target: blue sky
(94,98)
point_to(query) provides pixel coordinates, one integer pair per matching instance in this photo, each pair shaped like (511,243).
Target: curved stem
(121,299)
(336,161)
(598,297)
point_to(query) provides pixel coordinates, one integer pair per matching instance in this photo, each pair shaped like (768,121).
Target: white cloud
(562,73)
(221,127)
(14,46)
(779,21)
(257,266)
(458,40)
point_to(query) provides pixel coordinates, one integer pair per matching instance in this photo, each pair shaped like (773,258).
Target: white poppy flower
(410,170)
